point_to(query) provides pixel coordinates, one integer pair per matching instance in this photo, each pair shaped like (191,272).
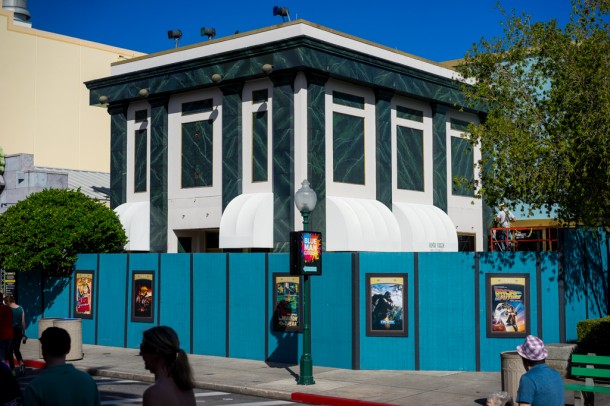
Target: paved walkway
(333,386)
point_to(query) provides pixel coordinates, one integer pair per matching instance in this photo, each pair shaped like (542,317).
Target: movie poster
(287,300)
(84,295)
(386,301)
(143,296)
(508,305)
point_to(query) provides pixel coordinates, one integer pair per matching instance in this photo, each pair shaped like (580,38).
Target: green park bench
(590,367)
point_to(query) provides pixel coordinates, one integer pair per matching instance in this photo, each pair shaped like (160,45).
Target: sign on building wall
(287,302)
(507,305)
(142,305)
(84,295)
(386,300)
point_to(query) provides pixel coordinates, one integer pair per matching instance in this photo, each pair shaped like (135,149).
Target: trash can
(74,328)
(512,369)
(559,357)
(43,324)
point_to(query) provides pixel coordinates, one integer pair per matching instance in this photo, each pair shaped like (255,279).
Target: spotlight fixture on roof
(208,32)
(281,11)
(175,35)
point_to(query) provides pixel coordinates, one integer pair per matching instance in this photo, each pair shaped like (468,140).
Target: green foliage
(47,230)
(594,336)
(545,138)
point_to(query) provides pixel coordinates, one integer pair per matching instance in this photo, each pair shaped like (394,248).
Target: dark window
(462,167)
(197,154)
(259,96)
(140,160)
(199,106)
(348,100)
(410,158)
(348,149)
(141,116)
(409,114)
(259,146)
(466,242)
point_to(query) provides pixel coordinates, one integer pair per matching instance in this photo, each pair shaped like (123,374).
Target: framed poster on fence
(507,305)
(84,295)
(287,302)
(386,301)
(143,299)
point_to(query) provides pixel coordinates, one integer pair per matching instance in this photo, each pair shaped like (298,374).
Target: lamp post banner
(306,253)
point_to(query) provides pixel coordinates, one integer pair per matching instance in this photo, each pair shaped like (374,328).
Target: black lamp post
(305,199)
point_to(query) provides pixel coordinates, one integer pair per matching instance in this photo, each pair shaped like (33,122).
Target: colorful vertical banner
(386,300)
(84,295)
(142,305)
(306,253)
(287,302)
(507,305)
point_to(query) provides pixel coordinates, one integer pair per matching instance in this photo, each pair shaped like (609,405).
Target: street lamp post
(305,199)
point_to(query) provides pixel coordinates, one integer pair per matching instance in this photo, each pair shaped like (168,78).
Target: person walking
(18,333)
(540,385)
(6,330)
(60,383)
(162,355)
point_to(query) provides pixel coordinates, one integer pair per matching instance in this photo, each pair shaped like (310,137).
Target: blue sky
(438,30)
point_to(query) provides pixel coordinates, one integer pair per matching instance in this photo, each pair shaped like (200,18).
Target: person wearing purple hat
(540,385)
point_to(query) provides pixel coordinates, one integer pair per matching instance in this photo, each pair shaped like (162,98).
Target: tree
(545,140)
(47,230)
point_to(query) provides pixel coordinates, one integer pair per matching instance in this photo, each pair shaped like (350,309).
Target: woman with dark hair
(162,355)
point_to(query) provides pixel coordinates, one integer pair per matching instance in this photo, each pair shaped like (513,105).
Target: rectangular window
(410,158)
(199,106)
(459,125)
(409,114)
(348,149)
(197,154)
(260,96)
(140,160)
(462,166)
(141,116)
(348,100)
(259,146)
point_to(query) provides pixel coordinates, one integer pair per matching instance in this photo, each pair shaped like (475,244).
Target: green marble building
(211,141)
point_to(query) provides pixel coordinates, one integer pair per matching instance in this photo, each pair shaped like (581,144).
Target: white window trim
(413,196)
(368,190)
(174,143)
(132,127)
(249,107)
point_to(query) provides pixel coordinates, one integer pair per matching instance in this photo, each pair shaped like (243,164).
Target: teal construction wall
(222,305)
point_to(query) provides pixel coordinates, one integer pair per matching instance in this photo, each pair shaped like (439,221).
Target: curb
(243,390)
(32,363)
(332,401)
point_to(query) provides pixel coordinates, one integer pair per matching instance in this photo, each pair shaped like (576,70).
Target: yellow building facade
(44,108)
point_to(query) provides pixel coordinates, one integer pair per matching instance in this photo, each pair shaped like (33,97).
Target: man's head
(532,351)
(55,342)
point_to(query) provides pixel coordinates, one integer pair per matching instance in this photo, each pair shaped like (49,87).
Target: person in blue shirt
(540,385)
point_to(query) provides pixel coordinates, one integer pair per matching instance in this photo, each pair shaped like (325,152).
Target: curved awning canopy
(247,222)
(135,218)
(360,225)
(425,228)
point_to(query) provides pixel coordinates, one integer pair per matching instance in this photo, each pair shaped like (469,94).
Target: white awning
(247,222)
(360,225)
(425,228)
(135,218)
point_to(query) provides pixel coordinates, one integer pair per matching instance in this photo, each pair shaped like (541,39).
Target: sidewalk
(279,381)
